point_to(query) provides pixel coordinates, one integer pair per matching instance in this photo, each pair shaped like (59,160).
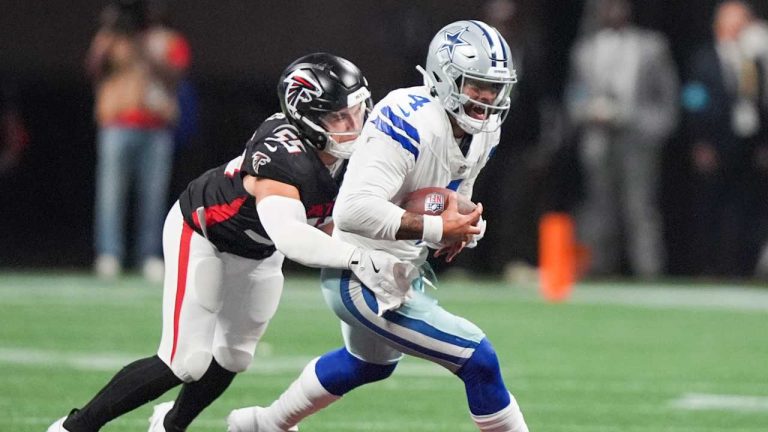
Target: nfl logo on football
(434,203)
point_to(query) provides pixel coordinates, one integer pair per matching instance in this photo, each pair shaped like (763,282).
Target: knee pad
(339,371)
(206,281)
(193,366)
(483,366)
(486,392)
(233,360)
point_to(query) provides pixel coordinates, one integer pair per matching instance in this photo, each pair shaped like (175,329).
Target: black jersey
(218,207)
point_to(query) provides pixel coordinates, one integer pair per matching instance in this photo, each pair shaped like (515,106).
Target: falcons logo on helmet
(301,88)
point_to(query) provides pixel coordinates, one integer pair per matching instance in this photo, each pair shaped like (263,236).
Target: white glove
(389,278)
(477,237)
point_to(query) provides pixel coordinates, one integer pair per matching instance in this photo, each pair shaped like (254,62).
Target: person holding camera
(135,68)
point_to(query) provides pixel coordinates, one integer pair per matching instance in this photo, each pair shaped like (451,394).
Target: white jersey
(406,144)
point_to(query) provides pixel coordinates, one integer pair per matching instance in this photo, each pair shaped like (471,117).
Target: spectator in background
(622,101)
(136,69)
(726,124)
(162,32)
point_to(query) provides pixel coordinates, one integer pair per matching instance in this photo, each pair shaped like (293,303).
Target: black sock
(136,384)
(194,397)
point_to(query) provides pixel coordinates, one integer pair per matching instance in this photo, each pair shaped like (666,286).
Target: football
(433,200)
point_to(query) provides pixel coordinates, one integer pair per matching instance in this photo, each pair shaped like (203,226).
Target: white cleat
(158,415)
(247,420)
(58,425)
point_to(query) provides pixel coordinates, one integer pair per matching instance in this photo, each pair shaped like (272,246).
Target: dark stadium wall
(239,48)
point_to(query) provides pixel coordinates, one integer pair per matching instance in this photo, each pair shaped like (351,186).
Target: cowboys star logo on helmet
(452,40)
(301,88)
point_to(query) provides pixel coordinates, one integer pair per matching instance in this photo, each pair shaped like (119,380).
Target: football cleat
(248,420)
(58,425)
(158,415)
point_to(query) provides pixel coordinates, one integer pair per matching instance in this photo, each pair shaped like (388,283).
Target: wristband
(433,229)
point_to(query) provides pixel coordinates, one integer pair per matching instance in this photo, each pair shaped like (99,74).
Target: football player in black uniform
(225,240)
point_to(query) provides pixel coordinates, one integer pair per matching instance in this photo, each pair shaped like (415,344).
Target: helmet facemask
(342,128)
(479,103)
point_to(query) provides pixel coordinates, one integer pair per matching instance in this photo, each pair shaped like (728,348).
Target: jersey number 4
(415,103)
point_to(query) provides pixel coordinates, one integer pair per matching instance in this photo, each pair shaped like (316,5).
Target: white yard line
(421,374)
(304,293)
(113,361)
(670,296)
(708,402)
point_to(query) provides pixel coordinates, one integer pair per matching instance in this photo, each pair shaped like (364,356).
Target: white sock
(509,419)
(303,397)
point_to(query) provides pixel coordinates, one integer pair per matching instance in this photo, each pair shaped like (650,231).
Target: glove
(477,237)
(389,278)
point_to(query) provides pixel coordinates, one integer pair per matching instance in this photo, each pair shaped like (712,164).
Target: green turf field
(618,357)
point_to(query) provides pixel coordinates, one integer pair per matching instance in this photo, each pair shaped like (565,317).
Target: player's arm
(363,206)
(283,217)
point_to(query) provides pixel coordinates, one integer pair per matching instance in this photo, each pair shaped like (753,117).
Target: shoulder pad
(278,136)
(408,116)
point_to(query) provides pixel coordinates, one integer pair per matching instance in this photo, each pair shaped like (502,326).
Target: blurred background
(690,202)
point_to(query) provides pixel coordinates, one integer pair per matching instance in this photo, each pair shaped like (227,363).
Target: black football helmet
(318,84)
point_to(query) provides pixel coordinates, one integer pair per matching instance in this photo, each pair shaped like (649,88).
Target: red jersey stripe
(220,212)
(181,282)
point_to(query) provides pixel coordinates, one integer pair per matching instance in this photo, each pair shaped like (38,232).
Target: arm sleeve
(285,222)
(375,175)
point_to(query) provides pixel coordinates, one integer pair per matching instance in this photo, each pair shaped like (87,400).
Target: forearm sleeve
(286,224)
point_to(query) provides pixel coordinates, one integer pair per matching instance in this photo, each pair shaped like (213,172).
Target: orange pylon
(557,256)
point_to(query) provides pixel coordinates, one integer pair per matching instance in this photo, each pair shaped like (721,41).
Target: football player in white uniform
(436,135)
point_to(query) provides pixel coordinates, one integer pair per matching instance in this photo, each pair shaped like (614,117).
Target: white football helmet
(470,52)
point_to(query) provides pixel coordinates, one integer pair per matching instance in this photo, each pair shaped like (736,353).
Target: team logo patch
(258,160)
(434,203)
(301,88)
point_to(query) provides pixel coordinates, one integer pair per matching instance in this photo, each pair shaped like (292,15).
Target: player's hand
(389,278)
(477,237)
(457,226)
(451,250)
